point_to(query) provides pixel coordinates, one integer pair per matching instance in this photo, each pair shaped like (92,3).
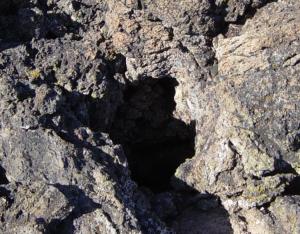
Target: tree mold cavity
(154,142)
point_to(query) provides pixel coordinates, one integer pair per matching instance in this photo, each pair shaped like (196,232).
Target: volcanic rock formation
(149,116)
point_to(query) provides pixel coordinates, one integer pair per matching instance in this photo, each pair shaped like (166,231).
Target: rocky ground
(149,116)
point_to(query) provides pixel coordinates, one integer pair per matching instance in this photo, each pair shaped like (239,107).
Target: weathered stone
(139,116)
(246,119)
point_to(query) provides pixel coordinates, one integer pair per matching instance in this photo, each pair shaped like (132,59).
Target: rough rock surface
(149,116)
(247,149)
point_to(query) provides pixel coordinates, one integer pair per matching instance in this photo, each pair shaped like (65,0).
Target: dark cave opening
(153,164)
(9,7)
(154,142)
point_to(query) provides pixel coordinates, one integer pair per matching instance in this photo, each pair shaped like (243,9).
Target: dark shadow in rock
(82,205)
(20,22)
(295,144)
(4,192)
(154,142)
(224,15)
(24,91)
(195,220)
(197,213)
(294,187)
(3,179)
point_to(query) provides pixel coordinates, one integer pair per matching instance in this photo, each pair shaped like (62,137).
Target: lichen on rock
(139,116)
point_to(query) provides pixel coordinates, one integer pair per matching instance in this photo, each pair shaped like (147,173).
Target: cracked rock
(139,116)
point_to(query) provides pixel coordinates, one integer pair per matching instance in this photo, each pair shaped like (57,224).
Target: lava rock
(139,116)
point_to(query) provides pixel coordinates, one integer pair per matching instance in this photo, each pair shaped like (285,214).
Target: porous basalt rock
(139,116)
(248,121)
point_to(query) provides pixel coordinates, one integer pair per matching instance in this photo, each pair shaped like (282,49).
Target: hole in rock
(50,35)
(8,7)
(154,142)
(293,188)
(3,179)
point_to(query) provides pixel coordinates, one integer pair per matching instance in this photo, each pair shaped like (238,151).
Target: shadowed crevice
(294,187)
(154,142)
(82,205)
(3,178)
(21,21)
